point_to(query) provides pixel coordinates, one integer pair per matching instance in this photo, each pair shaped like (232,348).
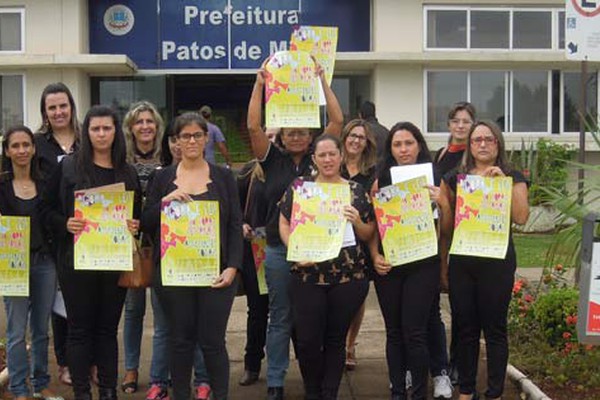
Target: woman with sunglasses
(480,288)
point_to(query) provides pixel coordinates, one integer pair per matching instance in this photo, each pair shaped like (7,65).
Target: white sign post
(582,30)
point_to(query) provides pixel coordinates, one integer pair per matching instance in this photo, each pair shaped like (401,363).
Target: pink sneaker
(202,392)
(157,392)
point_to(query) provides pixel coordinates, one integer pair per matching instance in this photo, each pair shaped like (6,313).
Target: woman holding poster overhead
(281,167)
(406,292)
(480,287)
(197,308)
(19,196)
(93,300)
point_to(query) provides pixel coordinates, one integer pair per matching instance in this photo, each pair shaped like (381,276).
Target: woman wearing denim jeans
(19,190)
(281,167)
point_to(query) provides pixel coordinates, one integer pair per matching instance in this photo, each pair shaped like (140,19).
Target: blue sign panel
(217,34)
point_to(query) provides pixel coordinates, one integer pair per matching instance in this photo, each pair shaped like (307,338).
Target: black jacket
(223,187)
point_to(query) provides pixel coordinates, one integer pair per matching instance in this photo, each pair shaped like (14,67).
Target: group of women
(312,303)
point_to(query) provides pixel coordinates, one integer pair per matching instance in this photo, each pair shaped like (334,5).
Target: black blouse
(350,264)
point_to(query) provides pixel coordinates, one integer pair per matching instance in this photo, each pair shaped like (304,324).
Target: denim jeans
(38,306)
(159,367)
(277,272)
(135,308)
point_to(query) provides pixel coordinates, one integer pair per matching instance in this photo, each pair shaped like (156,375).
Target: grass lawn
(532,248)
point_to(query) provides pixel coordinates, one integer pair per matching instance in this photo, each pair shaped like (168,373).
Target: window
(532,30)
(11,30)
(449,27)
(489,29)
(11,100)
(572,92)
(530,101)
(444,89)
(488,95)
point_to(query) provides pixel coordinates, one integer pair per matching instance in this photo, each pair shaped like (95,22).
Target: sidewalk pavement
(367,382)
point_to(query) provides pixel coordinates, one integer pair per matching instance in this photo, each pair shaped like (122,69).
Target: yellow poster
(317,222)
(320,42)
(105,244)
(291,91)
(482,216)
(259,244)
(14,256)
(189,243)
(405,221)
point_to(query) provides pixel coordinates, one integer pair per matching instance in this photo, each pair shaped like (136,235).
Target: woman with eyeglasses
(20,189)
(197,315)
(407,292)
(443,372)
(480,288)
(359,161)
(143,128)
(327,295)
(93,299)
(281,166)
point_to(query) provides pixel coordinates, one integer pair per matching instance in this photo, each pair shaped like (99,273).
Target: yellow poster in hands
(405,221)
(320,42)
(14,256)
(259,245)
(482,216)
(317,223)
(291,91)
(105,244)
(189,243)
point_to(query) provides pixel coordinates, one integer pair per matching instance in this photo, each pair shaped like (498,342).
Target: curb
(532,392)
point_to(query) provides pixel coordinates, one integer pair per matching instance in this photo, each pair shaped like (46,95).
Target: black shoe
(248,378)
(275,393)
(107,394)
(83,396)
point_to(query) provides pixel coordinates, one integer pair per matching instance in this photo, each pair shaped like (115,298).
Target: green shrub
(555,312)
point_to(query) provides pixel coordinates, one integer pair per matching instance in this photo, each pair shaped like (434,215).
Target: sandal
(351,362)
(130,386)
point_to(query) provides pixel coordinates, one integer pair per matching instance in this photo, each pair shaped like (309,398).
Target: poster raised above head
(320,42)
(14,256)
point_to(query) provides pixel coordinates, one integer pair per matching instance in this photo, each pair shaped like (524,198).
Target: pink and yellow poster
(317,223)
(482,216)
(105,244)
(405,221)
(259,244)
(291,91)
(320,42)
(14,256)
(189,243)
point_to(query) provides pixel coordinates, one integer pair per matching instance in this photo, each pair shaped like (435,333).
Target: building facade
(412,58)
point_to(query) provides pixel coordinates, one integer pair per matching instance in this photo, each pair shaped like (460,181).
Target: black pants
(94,304)
(405,297)
(60,331)
(258,314)
(198,315)
(438,353)
(322,315)
(480,291)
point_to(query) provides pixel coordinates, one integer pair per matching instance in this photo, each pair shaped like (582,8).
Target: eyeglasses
(186,137)
(458,121)
(484,139)
(354,136)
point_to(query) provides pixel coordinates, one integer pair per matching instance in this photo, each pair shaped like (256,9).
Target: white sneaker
(442,387)
(408,382)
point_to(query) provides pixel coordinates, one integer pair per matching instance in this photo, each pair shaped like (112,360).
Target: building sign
(217,34)
(582,30)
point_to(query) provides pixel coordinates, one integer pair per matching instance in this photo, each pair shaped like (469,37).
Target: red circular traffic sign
(587,8)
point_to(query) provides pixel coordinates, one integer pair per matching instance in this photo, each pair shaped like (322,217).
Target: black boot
(83,396)
(107,393)
(275,393)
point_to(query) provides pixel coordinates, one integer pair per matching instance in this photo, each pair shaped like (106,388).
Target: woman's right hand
(75,225)
(247,231)
(382,267)
(177,195)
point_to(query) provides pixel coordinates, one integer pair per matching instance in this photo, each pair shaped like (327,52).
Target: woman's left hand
(133,225)
(351,214)
(225,279)
(493,172)
(434,193)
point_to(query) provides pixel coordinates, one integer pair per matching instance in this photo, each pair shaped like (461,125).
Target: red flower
(571,319)
(566,335)
(528,298)
(559,267)
(517,286)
